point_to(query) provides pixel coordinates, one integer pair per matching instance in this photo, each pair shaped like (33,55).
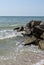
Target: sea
(12,52)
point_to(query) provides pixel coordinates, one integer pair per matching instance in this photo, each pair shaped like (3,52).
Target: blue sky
(21,7)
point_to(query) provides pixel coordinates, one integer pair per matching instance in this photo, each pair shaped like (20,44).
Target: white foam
(15,25)
(7,57)
(9,34)
(40,63)
(35,49)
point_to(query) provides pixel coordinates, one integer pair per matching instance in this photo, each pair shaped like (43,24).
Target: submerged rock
(19,28)
(41,44)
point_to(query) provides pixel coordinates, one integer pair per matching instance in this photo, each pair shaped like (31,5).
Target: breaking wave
(9,34)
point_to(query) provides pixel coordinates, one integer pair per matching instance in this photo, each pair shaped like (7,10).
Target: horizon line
(21,15)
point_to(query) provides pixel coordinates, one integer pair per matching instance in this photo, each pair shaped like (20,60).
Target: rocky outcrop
(34,31)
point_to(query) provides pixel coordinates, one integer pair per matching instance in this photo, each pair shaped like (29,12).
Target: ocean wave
(9,34)
(10,25)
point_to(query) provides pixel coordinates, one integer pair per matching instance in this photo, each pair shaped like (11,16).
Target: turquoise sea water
(10,41)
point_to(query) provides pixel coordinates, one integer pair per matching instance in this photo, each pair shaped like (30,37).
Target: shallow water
(29,55)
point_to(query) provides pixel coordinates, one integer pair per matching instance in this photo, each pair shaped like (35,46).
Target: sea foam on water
(9,34)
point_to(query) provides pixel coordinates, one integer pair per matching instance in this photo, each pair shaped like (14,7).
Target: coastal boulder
(41,44)
(29,40)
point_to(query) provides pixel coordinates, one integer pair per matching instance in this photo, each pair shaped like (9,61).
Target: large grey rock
(30,40)
(41,44)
